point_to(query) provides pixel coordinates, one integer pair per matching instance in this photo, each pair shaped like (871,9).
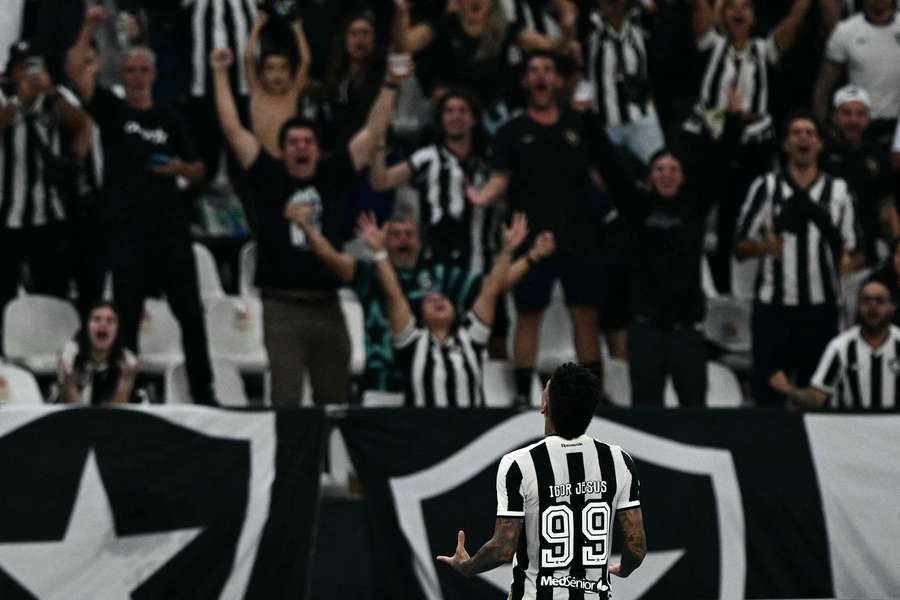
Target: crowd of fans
(435,155)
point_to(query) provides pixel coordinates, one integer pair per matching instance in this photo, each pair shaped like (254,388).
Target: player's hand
(220,59)
(367,228)
(515,234)
(616,570)
(780,383)
(300,213)
(772,245)
(95,15)
(476,196)
(544,245)
(460,556)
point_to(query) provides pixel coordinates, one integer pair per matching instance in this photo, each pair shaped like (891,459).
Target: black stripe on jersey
(449,373)
(8,173)
(803,295)
(621,78)
(475,398)
(599,70)
(759,63)
(825,262)
(428,378)
(853,375)
(756,205)
(777,266)
(875,400)
(834,369)
(575,462)
(31,167)
(543,471)
(715,84)
(634,492)
(231,37)
(514,500)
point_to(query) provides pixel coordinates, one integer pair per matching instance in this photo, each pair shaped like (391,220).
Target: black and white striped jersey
(568,492)
(805,273)
(617,70)
(218,24)
(746,71)
(533,15)
(27,196)
(444,373)
(856,375)
(453,231)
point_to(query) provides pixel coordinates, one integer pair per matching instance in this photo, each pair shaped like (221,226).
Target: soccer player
(559,496)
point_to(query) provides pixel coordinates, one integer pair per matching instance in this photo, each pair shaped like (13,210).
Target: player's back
(568,492)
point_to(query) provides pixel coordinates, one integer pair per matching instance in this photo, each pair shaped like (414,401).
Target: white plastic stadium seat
(18,386)
(728,323)
(247,270)
(340,467)
(229,386)
(35,330)
(207,273)
(159,337)
(499,384)
(374,399)
(723,389)
(743,278)
(355,319)
(234,326)
(617,382)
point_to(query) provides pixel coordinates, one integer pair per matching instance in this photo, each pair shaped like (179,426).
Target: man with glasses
(861,367)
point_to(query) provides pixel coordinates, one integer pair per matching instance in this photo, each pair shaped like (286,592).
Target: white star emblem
(91,561)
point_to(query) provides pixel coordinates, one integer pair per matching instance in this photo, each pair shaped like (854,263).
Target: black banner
(165,503)
(730,499)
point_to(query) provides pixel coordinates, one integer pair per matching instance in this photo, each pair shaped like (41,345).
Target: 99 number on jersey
(558,531)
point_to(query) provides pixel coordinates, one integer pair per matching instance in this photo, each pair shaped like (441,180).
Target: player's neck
(545,115)
(803,175)
(876,338)
(459,146)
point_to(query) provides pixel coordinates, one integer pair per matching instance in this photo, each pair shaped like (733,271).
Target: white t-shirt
(872,56)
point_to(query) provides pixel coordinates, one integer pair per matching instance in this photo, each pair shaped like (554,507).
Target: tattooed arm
(634,545)
(496,551)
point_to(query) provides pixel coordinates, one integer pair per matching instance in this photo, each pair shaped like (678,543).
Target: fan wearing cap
(39,122)
(852,155)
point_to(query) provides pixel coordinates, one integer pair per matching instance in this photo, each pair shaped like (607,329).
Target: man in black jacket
(667,226)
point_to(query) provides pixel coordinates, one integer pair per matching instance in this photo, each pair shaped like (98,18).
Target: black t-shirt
(458,60)
(547,167)
(870,178)
(285,260)
(133,142)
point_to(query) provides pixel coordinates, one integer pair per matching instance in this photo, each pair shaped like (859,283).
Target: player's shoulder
(515,455)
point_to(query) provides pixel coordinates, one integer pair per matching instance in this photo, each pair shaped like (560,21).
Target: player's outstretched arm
(634,545)
(497,551)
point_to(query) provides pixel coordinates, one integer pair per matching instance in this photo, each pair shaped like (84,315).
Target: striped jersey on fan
(615,60)
(28,197)
(855,375)
(218,24)
(568,492)
(443,373)
(805,274)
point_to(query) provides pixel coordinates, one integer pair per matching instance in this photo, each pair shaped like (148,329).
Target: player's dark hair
(891,290)
(268,53)
(803,115)
(548,54)
(297,123)
(573,396)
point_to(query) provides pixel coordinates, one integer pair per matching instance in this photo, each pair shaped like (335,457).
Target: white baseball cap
(852,93)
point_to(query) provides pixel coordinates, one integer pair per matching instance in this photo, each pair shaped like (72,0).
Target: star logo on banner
(91,557)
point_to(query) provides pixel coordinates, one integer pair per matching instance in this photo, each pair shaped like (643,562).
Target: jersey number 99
(558,530)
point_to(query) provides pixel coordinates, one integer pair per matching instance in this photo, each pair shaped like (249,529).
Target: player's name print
(581,488)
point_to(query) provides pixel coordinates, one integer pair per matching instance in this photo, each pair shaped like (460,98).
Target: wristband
(380,256)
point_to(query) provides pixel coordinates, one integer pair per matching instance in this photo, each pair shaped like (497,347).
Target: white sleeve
(828,373)
(410,334)
(770,50)
(629,494)
(69,97)
(708,40)
(478,330)
(896,147)
(510,499)
(837,48)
